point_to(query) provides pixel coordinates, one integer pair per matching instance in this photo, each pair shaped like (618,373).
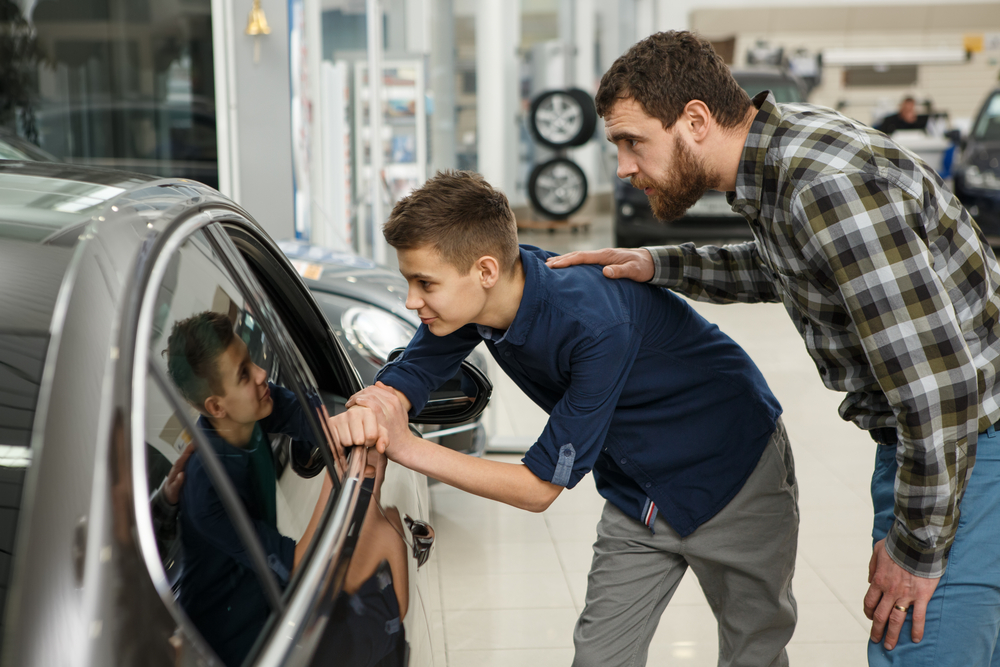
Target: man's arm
(719,274)
(914,344)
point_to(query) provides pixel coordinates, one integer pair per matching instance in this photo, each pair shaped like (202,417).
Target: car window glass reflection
(216,354)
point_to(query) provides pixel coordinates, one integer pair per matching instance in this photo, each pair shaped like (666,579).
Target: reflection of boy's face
(245,397)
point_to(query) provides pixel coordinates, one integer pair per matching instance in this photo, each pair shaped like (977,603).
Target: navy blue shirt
(219,589)
(668,412)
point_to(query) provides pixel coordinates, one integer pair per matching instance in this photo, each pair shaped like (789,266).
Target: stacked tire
(560,119)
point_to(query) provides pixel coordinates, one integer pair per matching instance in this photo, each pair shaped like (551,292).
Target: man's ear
(696,119)
(489,271)
(213,407)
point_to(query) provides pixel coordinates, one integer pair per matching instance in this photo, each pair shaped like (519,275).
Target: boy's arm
(428,362)
(511,483)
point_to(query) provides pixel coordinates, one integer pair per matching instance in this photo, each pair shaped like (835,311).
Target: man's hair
(667,70)
(193,351)
(460,215)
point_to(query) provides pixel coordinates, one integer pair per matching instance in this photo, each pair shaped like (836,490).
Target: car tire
(557,188)
(562,118)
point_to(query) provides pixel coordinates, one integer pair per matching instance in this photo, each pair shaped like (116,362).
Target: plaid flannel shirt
(892,287)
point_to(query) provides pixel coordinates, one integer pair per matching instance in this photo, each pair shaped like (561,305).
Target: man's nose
(626,166)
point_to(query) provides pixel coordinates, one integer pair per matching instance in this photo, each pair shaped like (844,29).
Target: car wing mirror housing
(460,399)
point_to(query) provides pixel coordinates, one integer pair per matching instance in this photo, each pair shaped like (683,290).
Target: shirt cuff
(913,557)
(668,265)
(412,388)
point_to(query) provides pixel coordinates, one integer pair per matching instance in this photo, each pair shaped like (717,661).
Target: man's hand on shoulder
(384,402)
(633,263)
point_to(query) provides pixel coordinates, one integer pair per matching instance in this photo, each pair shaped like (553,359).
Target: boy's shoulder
(581,292)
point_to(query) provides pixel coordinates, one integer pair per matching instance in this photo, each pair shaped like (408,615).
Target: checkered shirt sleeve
(891,285)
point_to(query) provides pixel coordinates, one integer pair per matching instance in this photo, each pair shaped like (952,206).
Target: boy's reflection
(219,590)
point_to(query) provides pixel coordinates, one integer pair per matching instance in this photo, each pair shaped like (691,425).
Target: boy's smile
(246,396)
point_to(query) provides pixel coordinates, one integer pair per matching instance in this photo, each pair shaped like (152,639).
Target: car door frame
(296,630)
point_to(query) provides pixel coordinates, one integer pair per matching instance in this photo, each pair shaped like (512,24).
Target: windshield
(988,124)
(785,92)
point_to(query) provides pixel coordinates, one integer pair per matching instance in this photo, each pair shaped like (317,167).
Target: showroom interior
(271,103)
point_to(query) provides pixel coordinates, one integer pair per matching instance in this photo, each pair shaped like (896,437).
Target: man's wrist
(913,557)
(668,265)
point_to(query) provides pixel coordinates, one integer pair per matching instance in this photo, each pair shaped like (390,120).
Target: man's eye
(633,142)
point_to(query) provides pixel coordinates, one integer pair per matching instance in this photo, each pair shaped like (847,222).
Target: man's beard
(684,185)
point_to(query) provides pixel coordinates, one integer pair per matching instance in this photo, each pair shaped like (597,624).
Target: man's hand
(357,426)
(383,401)
(175,478)
(891,585)
(633,263)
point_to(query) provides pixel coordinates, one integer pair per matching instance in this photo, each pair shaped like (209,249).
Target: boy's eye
(424,284)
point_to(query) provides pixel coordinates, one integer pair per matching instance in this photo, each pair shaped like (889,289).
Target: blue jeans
(963,615)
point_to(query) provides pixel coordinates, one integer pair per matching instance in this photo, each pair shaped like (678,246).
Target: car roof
(38,200)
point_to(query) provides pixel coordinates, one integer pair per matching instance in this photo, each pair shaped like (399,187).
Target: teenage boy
(219,589)
(675,421)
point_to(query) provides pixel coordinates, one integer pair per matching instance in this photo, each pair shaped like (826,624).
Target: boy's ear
(213,407)
(489,271)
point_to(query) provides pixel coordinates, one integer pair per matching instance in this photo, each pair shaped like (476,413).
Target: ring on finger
(901,608)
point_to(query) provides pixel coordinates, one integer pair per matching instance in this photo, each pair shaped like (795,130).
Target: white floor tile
(523,590)
(539,657)
(480,558)
(827,622)
(830,654)
(509,629)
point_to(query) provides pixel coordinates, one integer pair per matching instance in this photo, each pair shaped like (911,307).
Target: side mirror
(460,399)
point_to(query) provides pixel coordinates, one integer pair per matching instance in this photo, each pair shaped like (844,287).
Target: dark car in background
(366,305)
(977,169)
(96,267)
(711,217)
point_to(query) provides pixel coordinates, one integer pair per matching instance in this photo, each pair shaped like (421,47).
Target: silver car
(97,267)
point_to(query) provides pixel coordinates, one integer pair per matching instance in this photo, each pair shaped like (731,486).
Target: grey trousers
(744,558)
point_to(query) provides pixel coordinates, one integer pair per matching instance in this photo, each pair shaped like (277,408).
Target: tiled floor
(509,584)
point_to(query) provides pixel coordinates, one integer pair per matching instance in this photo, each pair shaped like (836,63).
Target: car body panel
(980,191)
(81,591)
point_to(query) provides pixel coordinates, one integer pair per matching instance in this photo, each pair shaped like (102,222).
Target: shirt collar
(750,175)
(221,445)
(533,266)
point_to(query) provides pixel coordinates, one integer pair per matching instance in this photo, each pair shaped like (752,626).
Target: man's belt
(884,436)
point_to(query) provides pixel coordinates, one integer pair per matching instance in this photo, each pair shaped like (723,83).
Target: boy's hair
(667,70)
(461,216)
(193,351)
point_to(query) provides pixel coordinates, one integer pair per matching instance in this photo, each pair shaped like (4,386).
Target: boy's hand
(357,426)
(390,412)
(175,478)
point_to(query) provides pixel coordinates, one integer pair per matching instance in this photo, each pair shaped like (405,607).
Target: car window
(785,92)
(216,371)
(988,124)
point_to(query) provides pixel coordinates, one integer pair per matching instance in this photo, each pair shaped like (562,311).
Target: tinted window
(214,344)
(988,124)
(127,84)
(785,92)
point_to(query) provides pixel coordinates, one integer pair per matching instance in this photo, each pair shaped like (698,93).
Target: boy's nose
(260,375)
(413,302)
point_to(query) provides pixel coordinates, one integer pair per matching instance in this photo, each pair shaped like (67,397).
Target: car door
(194,270)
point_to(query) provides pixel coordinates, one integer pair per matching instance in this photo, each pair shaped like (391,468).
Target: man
(675,421)
(904,119)
(891,285)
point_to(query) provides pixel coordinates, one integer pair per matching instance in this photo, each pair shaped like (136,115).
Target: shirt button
(507,353)
(805,320)
(648,484)
(624,461)
(822,371)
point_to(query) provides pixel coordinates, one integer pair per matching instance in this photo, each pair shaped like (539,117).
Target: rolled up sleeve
(578,424)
